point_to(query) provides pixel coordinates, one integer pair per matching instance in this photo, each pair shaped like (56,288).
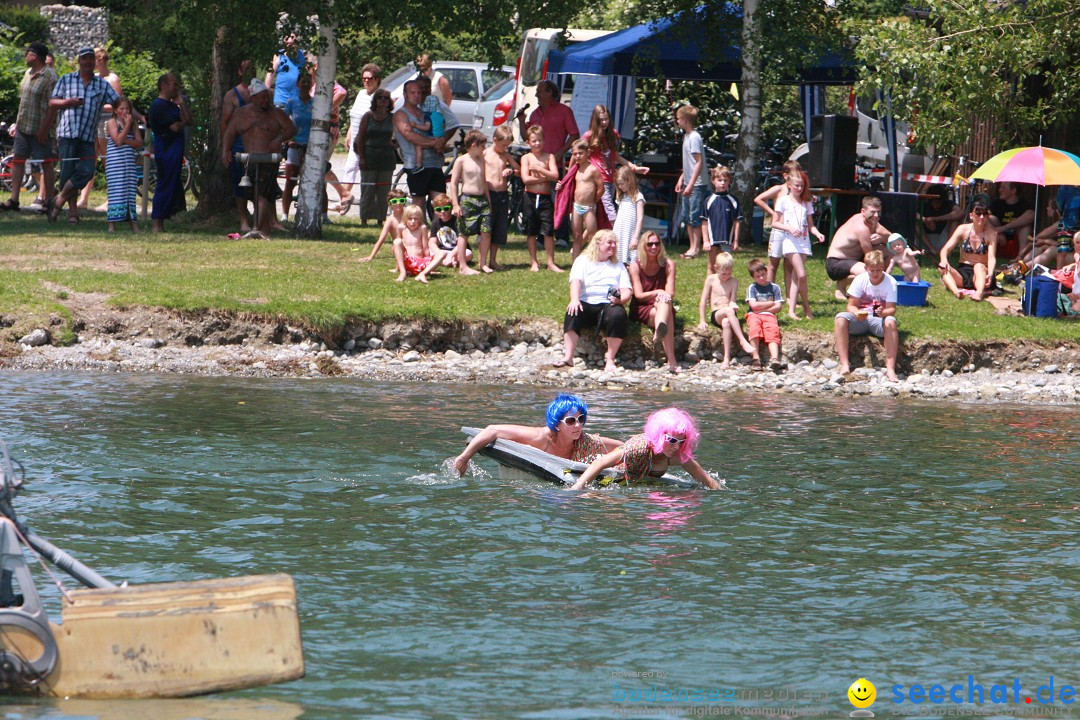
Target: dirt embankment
(93,318)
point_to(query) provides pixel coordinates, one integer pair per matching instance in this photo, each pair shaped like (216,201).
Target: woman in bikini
(563,435)
(977,241)
(670,437)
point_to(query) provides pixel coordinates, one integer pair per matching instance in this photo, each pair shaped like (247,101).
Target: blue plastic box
(1041,296)
(909,293)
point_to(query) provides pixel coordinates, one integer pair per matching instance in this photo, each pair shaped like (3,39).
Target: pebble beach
(1051,378)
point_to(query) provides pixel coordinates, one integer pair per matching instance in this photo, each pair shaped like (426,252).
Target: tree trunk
(216,195)
(312,188)
(749,145)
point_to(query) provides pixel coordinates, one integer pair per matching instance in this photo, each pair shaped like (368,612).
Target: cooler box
(909,293)
(1041,296)
(1008,249)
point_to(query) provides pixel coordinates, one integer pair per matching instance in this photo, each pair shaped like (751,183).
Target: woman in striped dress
(123,140)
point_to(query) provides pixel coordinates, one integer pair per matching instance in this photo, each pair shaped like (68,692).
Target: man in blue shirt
(78,98)
(285,70)
(167,117)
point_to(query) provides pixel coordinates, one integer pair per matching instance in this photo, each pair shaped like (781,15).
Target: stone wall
(72,27)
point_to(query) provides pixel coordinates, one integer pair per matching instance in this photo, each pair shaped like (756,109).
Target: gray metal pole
(67,563)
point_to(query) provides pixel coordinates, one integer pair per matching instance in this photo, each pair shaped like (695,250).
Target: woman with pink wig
(670,435)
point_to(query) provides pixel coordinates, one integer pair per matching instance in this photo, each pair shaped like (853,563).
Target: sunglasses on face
(672,440)
(980,213)
(443,208)
(368,78)
(572,420)
(652,244)
(397,201)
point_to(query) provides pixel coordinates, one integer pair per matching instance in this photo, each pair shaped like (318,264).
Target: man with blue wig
(563,435)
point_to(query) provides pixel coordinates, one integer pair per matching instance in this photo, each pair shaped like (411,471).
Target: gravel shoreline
(529,363)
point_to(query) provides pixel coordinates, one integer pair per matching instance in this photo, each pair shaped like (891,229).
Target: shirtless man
(235,99)
(473,204)
(264,128)
(858,236)
(588,189)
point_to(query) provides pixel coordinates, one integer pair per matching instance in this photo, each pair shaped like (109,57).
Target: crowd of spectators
(76,118)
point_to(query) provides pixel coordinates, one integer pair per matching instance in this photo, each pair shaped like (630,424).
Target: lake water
(899,541)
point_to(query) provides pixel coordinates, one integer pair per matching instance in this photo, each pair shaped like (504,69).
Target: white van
(533,61)
(468,83)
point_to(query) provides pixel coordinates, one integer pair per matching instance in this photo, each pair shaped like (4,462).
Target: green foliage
(28,23)
(138,75)
(1012,62)
(12,69)
(613,15)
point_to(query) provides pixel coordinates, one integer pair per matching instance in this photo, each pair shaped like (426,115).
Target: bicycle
(7,147)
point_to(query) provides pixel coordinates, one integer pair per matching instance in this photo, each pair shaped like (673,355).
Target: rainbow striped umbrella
(1037,165)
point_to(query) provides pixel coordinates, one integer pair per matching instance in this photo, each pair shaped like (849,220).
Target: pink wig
(672,421)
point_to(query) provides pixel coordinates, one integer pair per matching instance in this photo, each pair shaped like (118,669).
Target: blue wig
(562,406)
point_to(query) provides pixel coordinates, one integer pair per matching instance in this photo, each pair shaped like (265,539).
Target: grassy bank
(322,284)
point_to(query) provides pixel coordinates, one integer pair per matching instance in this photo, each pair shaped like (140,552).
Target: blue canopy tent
(660,49)
(658,46)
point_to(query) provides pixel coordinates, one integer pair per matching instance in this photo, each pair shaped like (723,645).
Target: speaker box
(898,211)
(832,151)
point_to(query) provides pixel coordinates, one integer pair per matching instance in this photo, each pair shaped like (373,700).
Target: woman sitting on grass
(978,252)
(563,435)
(670,434)
(599,291)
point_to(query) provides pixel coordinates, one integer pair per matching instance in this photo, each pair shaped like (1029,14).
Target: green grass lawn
(323,285)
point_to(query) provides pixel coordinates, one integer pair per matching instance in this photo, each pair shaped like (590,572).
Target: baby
(903,257)
(432,125)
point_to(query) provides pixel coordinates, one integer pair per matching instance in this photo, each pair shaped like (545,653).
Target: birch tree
(312,186)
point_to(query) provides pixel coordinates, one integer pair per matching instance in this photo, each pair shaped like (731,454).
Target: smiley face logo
(862,693)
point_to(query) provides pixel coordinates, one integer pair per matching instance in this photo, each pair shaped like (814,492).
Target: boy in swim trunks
(473,204)
(588,190)
(719,293)
(499,165)
(445,237)
(412,251)
(538,172)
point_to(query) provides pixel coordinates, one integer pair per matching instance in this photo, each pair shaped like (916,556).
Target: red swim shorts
(416,265)
(764,326)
